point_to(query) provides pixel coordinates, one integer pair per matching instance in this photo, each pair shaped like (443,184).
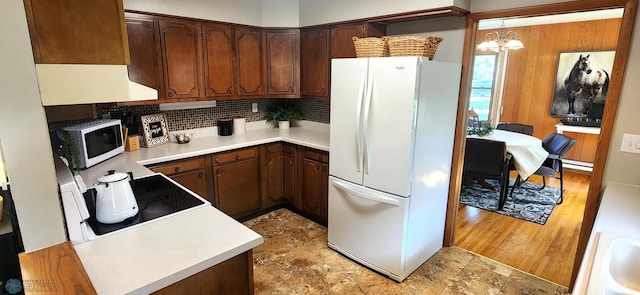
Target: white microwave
(97,140)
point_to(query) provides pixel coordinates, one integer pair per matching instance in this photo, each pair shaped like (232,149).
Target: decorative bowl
(183,137)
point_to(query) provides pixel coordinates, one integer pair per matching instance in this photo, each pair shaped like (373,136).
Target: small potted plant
(284,114)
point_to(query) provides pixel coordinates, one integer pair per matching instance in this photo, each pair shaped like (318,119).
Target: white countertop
(617,217)
(309,134)
(146,258)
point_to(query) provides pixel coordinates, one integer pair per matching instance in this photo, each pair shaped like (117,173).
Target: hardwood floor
(547,251)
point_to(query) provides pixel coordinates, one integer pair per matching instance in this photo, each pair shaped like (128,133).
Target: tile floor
(295,259)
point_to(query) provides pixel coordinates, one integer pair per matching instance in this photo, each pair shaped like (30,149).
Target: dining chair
(515,127)
(557,145)
(488,159)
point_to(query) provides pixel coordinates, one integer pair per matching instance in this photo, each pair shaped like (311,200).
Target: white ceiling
(550,19)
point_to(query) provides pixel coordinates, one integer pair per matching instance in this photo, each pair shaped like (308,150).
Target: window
(482,82)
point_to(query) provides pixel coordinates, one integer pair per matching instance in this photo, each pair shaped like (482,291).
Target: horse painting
(582,79)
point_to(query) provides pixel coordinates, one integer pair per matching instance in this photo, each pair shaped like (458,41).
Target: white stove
(158,197)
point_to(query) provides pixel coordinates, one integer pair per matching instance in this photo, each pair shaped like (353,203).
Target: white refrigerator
(392,131)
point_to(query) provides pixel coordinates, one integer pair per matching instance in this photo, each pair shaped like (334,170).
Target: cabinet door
(274,175)
(314,189)
(341,40)
(180,55)
(195,181)
(289,173)
(219,60)
(77,31)
(237,187)
(315,60)
(249,62)
(283,63)
(144,48)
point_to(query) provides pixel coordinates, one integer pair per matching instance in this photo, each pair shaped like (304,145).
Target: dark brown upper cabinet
(77,32)
(219,60)
(314,59)
(179,42)
(249,67)
(283,63)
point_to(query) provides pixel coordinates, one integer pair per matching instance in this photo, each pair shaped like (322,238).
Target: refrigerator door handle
(359,192)
(367,108)
(358,123)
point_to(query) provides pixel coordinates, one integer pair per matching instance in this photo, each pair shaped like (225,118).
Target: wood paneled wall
(531,73)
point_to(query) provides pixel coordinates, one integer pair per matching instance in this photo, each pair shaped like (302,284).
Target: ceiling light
(500,40)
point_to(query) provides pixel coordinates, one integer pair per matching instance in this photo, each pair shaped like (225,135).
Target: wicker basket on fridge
(371,46)
(414,46)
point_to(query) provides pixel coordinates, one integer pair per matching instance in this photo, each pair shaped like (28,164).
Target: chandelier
(500,40)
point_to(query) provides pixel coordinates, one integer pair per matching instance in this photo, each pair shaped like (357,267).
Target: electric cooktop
(156,195)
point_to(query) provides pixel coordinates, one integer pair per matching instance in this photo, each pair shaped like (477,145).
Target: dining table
(526,151)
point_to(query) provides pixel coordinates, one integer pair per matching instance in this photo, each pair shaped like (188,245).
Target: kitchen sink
(622,267)
(616,265)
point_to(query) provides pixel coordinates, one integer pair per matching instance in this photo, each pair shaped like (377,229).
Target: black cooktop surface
(156,197)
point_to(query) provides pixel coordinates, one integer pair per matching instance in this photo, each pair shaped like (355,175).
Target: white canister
(239,125)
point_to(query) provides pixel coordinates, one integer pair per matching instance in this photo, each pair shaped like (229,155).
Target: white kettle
(115,201)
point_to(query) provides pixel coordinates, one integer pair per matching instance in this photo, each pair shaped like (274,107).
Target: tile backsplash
(311,109)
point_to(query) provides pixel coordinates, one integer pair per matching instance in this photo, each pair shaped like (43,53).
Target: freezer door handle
(367,108)
(359,192)
(359,123)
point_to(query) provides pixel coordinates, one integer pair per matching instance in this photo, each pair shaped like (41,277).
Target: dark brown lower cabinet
(193,173)
(234,276)
(289,173)
(314,171)
(236,180)
(279,174)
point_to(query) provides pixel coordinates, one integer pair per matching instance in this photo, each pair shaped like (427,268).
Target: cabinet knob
(177,169)
(230,91)
(170,94)
(237,157)
(200,175)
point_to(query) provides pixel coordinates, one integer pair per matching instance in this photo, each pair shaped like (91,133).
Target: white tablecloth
(527,151)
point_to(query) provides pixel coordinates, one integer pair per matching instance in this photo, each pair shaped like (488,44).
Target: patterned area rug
(527,203)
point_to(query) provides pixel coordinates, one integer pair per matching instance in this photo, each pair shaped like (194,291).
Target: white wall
(262,13)
(24,135)
(313,12)
(620,167)
(280,13)
(248,12)
(451,29)
(625,167)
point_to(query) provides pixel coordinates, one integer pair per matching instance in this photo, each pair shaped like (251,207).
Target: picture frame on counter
(154,129)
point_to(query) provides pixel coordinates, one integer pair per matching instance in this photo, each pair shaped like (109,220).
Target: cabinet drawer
(236,155)
(318,156)
(180,166)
